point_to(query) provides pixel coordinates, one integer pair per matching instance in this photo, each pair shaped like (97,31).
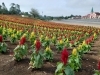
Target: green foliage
(97,72)
(20,51)
(63,69)
(86,48)
(54,40)
(42,39)
(1,30)
(48,54)
(60,69)
(13,38)
(36,60)
(46,42)
(5,34)
(19,34)
(60,45)
(3,47)
(67,43)
(68,71)
(74,61)
(32,37)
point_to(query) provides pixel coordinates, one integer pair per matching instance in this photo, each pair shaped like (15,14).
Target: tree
(14,9)
(12,4)
(66,17)
(34,13)
(4,9)
(0,9)
(17,6)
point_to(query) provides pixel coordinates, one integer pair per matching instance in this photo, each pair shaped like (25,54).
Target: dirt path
(90,60)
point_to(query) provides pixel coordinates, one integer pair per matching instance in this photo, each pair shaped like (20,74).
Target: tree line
(15,10)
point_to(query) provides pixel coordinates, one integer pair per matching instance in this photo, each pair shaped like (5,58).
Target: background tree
(34,13)
(15,9)
(4,9)
(12,9)
(0,9)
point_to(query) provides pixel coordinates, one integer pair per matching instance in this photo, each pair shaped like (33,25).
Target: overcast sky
(57,7)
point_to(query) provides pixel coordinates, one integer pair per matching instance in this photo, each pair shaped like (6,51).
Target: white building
(92,15)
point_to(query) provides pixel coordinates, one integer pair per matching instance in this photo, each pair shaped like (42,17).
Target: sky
(57,7)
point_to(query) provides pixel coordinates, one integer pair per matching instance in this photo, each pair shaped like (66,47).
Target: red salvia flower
(99,65)
(0,38)
(64,56)
(22,41)
(38,45)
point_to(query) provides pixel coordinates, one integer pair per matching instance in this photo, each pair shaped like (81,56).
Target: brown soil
(12,67)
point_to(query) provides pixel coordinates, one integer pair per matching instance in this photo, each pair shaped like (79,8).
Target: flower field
(35,47)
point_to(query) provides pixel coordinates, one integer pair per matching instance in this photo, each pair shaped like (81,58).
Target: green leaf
(60,74)
(59,67)
(23,47)
(17,47)
(3,47)
(69,71)
(77,60)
